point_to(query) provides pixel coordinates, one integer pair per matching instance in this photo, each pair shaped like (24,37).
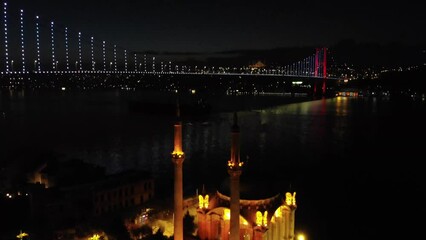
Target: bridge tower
(320,62)
(324,70)
(178,157)
(234,170)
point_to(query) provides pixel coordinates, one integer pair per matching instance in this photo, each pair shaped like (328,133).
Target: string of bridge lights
(21,15)
(38,61)
(92,52)
(67,49)
(136,63)
(125,60)
(52,24)
(6,52)
(115,57)
(9,64)
(307,67)
(80,61)
(104,54)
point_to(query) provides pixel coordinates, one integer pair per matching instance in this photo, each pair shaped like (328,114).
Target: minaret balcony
(178,155)
(235,166)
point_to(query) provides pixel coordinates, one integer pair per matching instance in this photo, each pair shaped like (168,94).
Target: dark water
(356,164)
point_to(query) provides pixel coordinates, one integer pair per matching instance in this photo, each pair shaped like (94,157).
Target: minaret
(234,170)
(177,158)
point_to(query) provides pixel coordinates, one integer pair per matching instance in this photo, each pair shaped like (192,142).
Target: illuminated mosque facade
(272,218)
(226,216)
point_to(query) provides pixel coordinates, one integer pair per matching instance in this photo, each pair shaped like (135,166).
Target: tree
(117,229)
(188,224)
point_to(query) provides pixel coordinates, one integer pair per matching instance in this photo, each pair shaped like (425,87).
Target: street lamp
(76,65)
(11,64)
(22,235)
(95,237)
(301,236)
(35,65)
(110,66)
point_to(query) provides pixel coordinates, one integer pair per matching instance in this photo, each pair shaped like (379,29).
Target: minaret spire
(178,132)
(178,157)
(177,109)
(235,142)
(234,170)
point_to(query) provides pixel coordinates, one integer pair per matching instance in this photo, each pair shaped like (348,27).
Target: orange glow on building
(278,213)
(203,202)
(294,199)
(177,158)
(227,214)
(290,199)
(265,218)
(177,154)
(178,138)
(231,218)
(258,64)
(348,94)
(259,218)
(262,220)
(256,219)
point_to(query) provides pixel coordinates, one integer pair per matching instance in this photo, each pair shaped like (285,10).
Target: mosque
(233,212)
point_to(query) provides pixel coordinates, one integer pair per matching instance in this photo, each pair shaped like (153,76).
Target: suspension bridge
(35,46)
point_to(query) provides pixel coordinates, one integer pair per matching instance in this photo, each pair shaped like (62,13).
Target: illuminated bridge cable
(38,62)
(6,49)
(80,60)
(22,40)
(104,54)
(115,58)
(92,52)
(67,50)
(52,36)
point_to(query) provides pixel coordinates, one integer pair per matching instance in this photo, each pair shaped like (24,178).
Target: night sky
(219,25)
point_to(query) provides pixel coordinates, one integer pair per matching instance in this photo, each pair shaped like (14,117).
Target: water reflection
(342,106)
(97,127)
